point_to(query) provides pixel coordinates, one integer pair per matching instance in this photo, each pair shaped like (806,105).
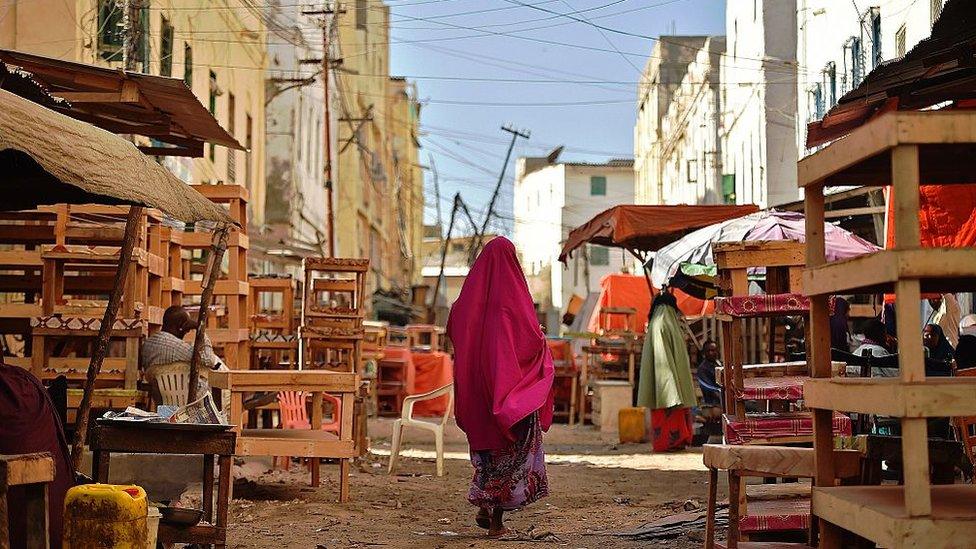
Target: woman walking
(665,386)
(503,376)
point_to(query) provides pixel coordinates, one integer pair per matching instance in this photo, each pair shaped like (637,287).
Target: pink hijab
(503,371)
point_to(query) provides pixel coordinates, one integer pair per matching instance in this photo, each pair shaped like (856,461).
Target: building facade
(839,43)
(758,79)
(691,150)
(298,201)
(550,199)
(661,78)
(218,48)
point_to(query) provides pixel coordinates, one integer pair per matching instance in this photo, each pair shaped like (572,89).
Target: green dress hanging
(665,369)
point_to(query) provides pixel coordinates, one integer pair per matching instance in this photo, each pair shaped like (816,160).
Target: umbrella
(696,248)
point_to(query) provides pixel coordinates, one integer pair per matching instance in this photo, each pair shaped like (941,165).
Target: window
(692,166)
(166,48)
(212,105)
(188,65)
(856,61)
(830,83)
(900,41)
(875,15)
(248,143)
(728,188)
(599,256)
(110,35)
(231,153)
(598,185)
(362,14)
(935,9)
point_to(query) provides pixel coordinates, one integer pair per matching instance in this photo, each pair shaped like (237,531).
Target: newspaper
(202,410)
(135,415)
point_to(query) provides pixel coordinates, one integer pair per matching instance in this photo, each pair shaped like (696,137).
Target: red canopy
(625,290)
(648,228)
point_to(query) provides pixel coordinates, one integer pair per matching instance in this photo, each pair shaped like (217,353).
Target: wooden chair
(34,472)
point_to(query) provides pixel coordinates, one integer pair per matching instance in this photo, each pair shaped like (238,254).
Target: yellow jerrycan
(105,515)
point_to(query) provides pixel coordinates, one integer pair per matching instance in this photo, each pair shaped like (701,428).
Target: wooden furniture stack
(231,335)
(425,338)
(776,387)
(374,343)
(610,357)
(904,150)
(333,309)
(274,341)
(33,472)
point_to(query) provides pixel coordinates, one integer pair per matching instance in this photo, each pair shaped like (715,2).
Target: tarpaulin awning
(938,69)
(648,228)
(625,290)
(48,158)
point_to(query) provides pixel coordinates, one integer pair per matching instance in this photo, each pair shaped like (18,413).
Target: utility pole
(437,190)
(327,122)
(498,186)
(432,313)
(131,33)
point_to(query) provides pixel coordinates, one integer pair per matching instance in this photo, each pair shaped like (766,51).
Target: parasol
(696,248)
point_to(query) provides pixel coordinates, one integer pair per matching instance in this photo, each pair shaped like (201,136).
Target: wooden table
(143,438)
(314,443)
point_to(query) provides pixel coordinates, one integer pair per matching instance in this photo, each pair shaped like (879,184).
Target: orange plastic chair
(333,426)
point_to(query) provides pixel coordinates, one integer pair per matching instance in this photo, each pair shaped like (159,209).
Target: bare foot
(483,519)
(496,528)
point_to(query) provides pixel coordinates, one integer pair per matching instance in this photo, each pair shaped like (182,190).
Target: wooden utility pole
(327,122)
(498,186)
(432,313)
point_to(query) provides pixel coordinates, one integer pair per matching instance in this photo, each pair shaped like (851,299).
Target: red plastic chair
(292,415)
(333,426)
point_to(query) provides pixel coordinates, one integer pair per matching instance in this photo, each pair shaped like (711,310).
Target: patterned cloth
(774,425)
(511,477)
(165,348)
(776,515)
(764,304)
(57,322)
(671,429)
(771,388)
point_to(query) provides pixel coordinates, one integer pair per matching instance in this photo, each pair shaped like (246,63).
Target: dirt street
(596,487)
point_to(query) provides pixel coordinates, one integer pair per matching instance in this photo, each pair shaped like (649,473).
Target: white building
(662,76)
(297,200)
(758,78)
(551,199)
(840,42)
(691,152)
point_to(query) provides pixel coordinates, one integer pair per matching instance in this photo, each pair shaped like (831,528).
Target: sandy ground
(596,487)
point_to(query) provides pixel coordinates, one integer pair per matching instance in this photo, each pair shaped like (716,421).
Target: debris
(444,521)
(621,501)
(692,505)
(676,525)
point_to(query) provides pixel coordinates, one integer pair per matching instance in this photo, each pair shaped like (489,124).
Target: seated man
(711,391)
(167,345)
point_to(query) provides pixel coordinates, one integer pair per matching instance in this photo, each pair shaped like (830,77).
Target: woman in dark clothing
(936,345)
(966,352)
(29,424)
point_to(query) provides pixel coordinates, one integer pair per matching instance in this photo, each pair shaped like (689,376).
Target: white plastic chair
(172,382)
(406,419)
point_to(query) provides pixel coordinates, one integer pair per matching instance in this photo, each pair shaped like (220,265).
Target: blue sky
(487,49)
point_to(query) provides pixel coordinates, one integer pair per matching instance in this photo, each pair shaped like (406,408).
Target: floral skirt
(511,477)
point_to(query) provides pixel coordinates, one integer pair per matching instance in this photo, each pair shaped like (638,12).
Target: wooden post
(105,332)
(432,313)
(210,277)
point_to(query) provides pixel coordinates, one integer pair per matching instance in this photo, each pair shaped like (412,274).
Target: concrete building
(379,191)
(691,151)
(297,200)
(759,105)
(839,43)
(550,199)
(219,50)
(661,78)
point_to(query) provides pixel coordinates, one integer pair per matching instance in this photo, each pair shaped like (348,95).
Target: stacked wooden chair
(775,388)
(274,338)
(333,309)
(611,356)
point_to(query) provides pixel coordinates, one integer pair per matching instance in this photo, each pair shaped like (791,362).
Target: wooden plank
(203,240)
(221,288)
(293,442)
(758,253)
(20,258)
(878,513)
(23,469)
(223,193)
(285,380)
(932,397)
(779,461)
(20,310)
(880,270)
